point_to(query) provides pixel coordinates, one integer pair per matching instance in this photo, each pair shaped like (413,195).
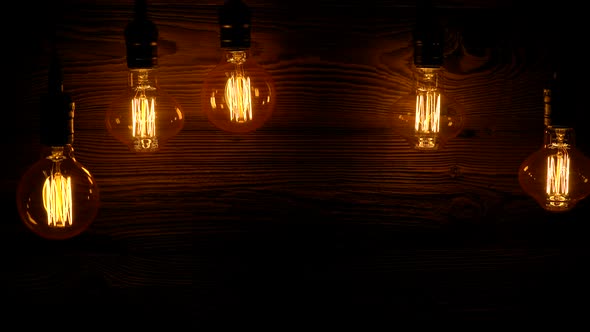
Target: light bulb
(557,176)
(238,94)
(57,197)
(144,117)
(428,117)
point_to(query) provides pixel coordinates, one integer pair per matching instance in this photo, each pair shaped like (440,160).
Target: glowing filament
(427,112)
(239,98)
(144,117)
(57,199)
(558,172)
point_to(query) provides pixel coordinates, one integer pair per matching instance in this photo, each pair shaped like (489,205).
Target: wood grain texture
(325,212)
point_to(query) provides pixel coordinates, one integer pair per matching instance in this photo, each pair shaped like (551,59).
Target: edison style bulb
(238,94)
(557,176)
(144,117)
(57,197)
(427,118)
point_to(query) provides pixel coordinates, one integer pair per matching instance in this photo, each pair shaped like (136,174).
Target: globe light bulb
(238,94)
(57,197)
(428,117)
(144,117)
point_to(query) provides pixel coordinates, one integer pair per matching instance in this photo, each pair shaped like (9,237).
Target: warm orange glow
(57,199)
(427,120)
(428,112)
(558,174)
(238,97)
(143,112)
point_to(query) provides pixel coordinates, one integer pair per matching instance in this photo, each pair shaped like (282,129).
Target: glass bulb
(557,176)
(145,117)
(57,197)
(427,118)
(238,94)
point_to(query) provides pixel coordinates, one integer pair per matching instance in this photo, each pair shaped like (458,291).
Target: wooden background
(324,213)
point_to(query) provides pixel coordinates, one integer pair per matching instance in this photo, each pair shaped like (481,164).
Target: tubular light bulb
(57,197)
(557,176)
(427,118)
(238,94)
(144,117)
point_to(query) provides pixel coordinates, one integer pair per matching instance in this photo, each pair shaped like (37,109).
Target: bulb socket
(141,40)
(234,25)
(57,119)
(428,45)
(547,107)
(428,37)
(57,109)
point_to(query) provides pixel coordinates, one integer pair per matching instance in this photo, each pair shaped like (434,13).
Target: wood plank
(326,206)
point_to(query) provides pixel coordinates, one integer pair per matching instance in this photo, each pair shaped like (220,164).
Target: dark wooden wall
(324,212)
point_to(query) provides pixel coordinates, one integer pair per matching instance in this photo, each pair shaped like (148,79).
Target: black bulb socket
(141,40)
(234,25)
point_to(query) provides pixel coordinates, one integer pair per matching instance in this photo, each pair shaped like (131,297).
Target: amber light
(238,94)
(57,199)
(427,117)
(238,97)
(144,117)
(557,176)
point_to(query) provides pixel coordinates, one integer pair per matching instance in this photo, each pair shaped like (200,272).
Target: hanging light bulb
(427,117)
(557,176)
(144,117)
(57,197)
(238,94)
